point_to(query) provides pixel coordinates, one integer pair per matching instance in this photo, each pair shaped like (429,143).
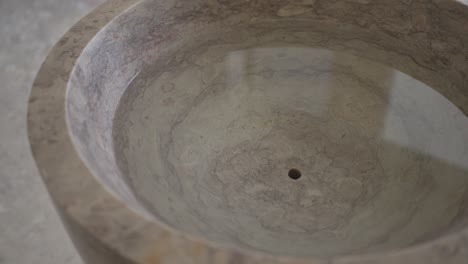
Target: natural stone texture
(30,229)
(191,115)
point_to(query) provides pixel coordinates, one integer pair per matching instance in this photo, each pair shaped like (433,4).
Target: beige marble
(378,160)
(165,131)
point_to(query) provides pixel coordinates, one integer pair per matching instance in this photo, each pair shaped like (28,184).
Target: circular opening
(294,174)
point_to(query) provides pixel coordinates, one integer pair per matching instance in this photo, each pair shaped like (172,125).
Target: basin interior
(293,150)
(299,146)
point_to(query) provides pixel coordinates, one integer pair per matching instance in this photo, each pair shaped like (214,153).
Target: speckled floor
(30,231)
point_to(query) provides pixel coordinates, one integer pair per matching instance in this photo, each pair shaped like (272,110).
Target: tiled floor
(30,231)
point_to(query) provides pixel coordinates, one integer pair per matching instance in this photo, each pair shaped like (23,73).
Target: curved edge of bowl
(102,228)
(50,144)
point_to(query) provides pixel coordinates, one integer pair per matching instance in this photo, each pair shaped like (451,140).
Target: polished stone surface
(191,114)
(208,146)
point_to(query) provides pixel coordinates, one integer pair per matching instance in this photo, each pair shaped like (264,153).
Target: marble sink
(259,131)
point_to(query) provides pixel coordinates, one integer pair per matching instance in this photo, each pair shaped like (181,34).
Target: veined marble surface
(191,114)
(208,146)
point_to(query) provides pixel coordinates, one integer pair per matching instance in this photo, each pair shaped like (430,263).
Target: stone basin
(259,131)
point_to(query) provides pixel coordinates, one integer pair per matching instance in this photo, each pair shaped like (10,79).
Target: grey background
(30,230)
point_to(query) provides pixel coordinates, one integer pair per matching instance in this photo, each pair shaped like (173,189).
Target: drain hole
(294,174)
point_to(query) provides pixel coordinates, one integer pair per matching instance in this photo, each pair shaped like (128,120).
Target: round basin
(259,131)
